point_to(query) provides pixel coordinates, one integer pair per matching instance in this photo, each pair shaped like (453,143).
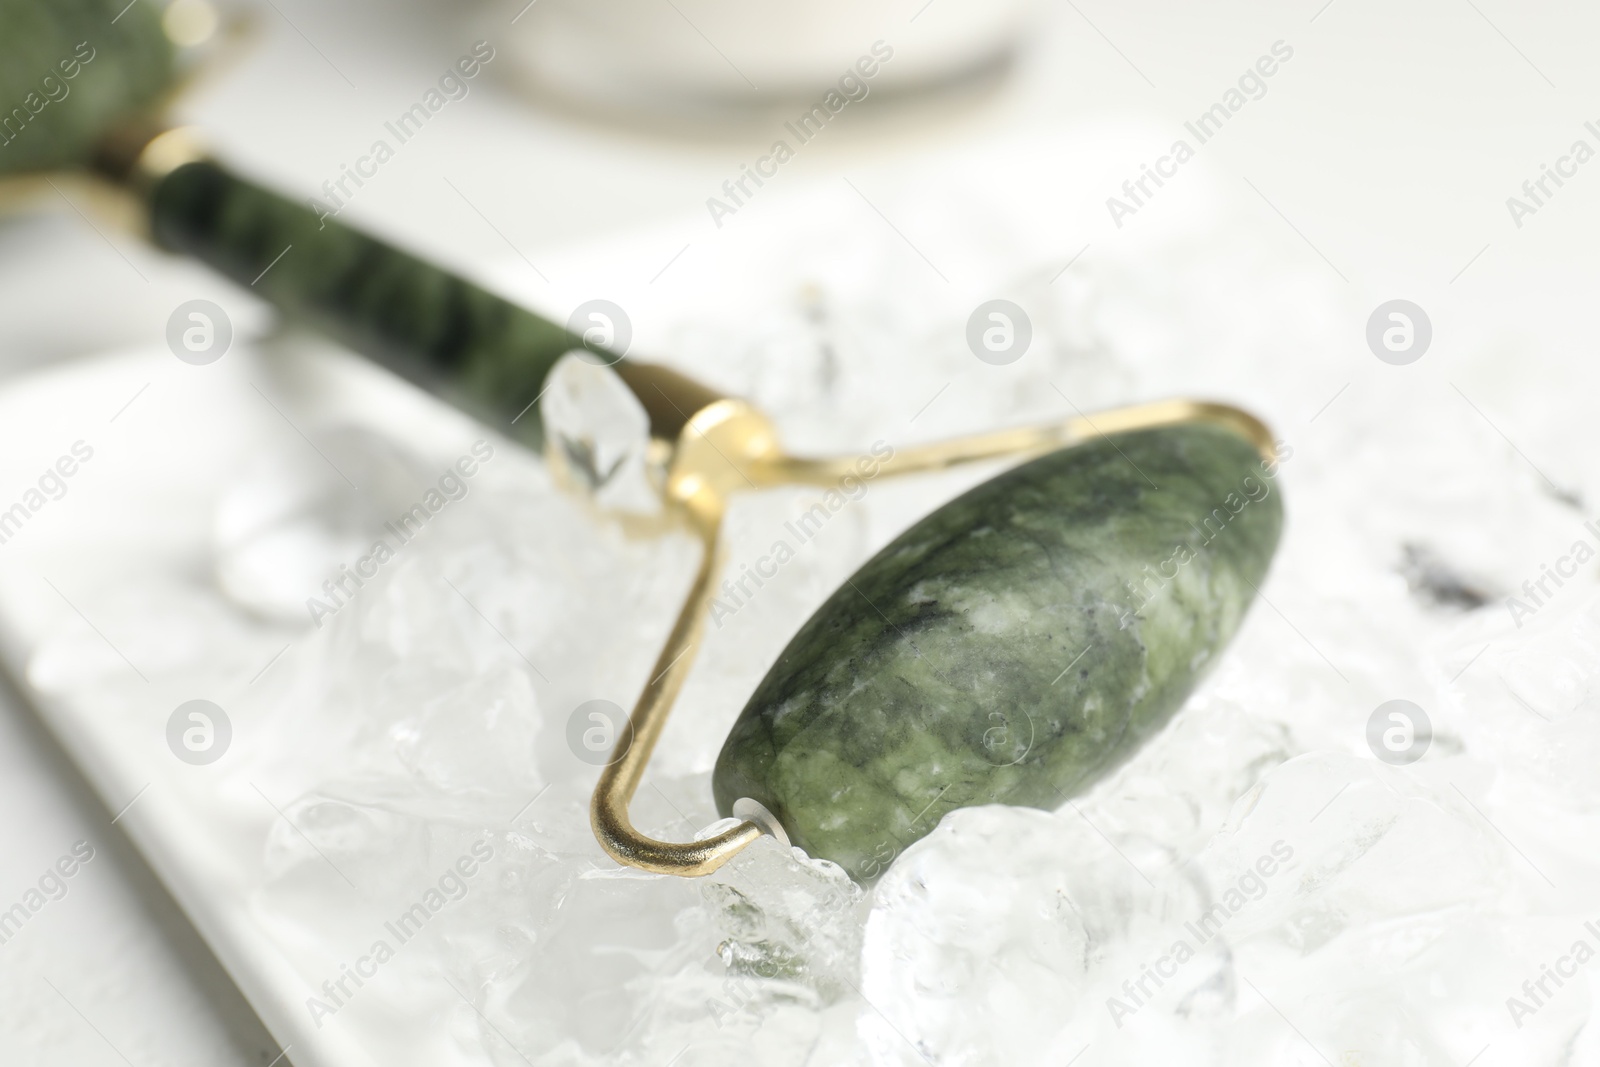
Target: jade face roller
(1012,647)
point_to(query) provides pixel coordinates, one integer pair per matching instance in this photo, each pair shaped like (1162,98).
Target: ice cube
(295,516)
(1002,911)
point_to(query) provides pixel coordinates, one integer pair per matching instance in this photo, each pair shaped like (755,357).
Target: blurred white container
(685,54)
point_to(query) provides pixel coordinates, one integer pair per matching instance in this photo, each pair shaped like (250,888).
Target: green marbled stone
(480,351)
(120,66)
(938,677)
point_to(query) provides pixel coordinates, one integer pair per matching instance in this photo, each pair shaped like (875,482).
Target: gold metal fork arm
(1021,441)
(727,447)
(608,814)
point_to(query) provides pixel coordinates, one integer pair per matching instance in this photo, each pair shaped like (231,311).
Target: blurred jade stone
(70,70)
(1013,647)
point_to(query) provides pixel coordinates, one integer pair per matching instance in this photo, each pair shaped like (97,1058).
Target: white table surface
(1388,147)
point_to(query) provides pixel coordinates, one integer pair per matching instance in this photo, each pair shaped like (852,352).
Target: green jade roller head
(1012,647)
(69,75)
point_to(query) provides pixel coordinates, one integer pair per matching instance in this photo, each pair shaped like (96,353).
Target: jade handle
(479,351)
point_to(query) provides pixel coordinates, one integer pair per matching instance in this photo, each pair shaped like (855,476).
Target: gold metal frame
(727,446)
